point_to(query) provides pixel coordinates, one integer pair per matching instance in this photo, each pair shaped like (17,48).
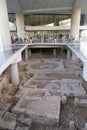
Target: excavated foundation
(46,98)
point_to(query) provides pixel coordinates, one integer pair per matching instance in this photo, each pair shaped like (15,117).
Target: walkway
(8,57)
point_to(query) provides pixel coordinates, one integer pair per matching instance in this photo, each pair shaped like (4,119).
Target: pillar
(85,71)
(68,54)
(5,41)
(23,55)
(85,20)
(42,39)
(14,74)
(54,52)
(14,70)
(74,57)
(26,53)
(29,53)
(20,25)
(75,23)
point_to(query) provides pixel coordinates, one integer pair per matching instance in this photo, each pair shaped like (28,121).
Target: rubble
(9,116)
(64,100)
(80,102)
(2,112)
(9,125)
(71,125)
(22,128)
(26,121)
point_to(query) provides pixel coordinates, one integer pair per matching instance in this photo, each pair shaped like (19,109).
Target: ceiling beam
(47,9)
(19,4)
(74,3)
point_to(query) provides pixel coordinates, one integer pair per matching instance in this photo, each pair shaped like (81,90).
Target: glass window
(45,19)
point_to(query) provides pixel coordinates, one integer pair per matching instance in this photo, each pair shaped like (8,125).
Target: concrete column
(68,54)
(14,74)
(74,57)
(23,55)
(85,20)
(20,25)
(29,53)
(54,53)
(5,41)
(26,53)
(75,23)
(14,70)
(42,40)
(85,71)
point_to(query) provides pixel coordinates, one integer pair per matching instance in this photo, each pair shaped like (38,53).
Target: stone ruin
(39,105)
(45,86)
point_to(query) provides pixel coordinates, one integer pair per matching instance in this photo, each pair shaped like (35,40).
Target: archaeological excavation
(43,64)
(52,94)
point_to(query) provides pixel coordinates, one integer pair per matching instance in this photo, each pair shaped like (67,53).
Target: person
(17,40)
(30,39)
(60,39)
(55,40)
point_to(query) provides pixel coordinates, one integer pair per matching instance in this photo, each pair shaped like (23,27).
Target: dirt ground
(39,71)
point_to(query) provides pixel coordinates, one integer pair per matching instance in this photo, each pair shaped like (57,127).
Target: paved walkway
(81,48)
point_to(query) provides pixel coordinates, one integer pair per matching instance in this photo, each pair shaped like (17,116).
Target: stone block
(7,125)
(2,124)
(64,99)
(9,116)
(21,92)
(2,113)
(75,89)
(18,128)
(11,125)
(25,128)
(81,102)
(7,106)
(71,81)
(45,110)
(71,125)
(25,121)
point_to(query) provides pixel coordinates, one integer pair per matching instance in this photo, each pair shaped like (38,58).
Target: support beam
(85,20)
(85,71)
(23,55)
(14,70)
(68,54)
(4,27)
(14,74)
(74,57)
(54,53)
(29,53)
(75,23)
(47,9)
(26,53)
(42,39)
(20,25)
(19,4)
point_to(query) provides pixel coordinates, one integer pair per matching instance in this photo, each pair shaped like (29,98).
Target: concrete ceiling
(45,6)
